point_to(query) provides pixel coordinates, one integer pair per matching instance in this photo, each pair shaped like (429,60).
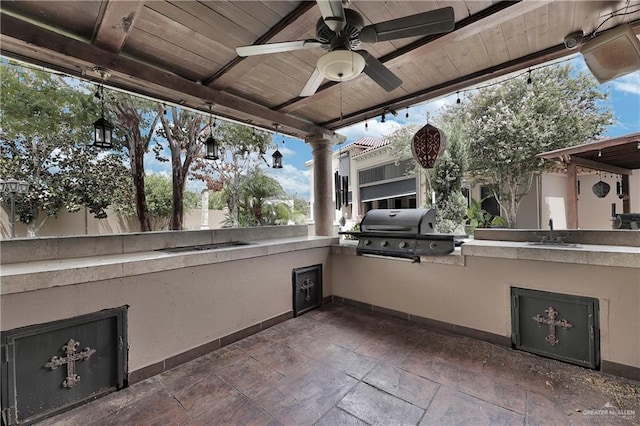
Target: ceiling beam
(302,8)
(464,28)
(594,145)
(26,41)
(113,28)
(450,86)
(597,165)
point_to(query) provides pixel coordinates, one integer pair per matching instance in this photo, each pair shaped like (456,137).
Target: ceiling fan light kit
(341,65)
(340,32)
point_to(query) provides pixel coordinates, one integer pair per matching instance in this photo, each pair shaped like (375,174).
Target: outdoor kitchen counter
(585,254)
(36,275)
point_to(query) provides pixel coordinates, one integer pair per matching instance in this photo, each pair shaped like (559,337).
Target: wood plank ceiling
(183,51)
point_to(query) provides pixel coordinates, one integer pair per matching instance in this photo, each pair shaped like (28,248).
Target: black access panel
(48,368)
(560,326)
(307,289)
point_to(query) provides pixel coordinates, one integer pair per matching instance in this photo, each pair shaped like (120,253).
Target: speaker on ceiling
(612,54)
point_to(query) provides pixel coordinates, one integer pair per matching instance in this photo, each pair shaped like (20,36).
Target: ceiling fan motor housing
(348,38)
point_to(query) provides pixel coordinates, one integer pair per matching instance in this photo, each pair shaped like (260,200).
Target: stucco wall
(174,311)
(594,212)
(477,295)
(84,223)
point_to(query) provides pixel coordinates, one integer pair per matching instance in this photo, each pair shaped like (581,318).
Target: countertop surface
(28,276)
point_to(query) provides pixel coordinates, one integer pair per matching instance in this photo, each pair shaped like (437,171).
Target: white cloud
(286,152)
(629,83)
(417,115)
(291,179)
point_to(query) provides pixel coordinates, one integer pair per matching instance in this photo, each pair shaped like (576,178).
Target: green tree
(135,120)
(446,177)
(183,130)
(242,150)
(300,209)
(159,196)
(448,174)
(507,125)
(261,200)
(46,139)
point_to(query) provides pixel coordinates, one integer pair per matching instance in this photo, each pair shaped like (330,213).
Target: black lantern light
(276,157)
(277,160)
(102,129)
(210,145)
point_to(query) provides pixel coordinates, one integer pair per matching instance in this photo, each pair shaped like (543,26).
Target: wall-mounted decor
(51,367)
(601,189)
(427,145)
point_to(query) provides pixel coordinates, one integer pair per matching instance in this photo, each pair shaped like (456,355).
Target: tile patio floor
(340,365)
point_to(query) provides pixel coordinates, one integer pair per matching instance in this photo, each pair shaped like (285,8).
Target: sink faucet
(553,238)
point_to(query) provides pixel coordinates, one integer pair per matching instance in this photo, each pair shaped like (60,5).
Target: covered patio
(346,365)
(620,156)
(205,324)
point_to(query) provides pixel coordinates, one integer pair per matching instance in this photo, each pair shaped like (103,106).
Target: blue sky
(294,177)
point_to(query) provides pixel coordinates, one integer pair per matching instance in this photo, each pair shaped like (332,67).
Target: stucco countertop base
(35,275)
(584,254)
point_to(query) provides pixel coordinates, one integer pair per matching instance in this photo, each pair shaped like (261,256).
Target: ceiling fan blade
(379,73)
(422,24)
(333,13)
(312,84)
(285,46)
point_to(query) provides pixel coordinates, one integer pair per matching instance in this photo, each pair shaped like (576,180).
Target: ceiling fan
(340,31)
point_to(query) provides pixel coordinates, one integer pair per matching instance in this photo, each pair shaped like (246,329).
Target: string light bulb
(406,116)
(366,128)
(383,118)
(529,82)
(458,101)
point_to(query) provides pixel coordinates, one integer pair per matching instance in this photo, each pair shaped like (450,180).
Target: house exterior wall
(594,212)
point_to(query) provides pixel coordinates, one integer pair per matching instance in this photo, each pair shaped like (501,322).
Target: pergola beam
(117,19)
(25,41)
(597,165)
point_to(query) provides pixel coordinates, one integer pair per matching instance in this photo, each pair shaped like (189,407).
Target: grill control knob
(402,244)
(384,243)
(367,242)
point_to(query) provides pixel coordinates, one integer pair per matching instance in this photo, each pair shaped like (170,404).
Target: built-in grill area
(404,233)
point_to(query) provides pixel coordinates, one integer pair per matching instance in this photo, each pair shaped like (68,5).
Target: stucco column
(323,205)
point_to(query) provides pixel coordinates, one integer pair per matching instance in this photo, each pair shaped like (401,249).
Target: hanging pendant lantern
(427,145)
(102,133)
(211,149)
(601,189)
(277,160)
(210,144)
(102,129)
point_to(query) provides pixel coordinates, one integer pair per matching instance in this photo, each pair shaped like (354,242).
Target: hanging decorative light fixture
(276,157)
(103,130)
(601,188)
(210,144)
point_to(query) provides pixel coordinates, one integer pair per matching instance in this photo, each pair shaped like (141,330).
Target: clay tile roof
(368,144)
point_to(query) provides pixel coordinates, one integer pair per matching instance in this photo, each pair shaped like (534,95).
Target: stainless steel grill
(406,233)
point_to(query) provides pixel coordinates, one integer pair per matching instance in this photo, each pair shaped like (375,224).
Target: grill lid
(405,221)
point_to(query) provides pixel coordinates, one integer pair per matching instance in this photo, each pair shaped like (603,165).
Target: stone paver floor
(341,365)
